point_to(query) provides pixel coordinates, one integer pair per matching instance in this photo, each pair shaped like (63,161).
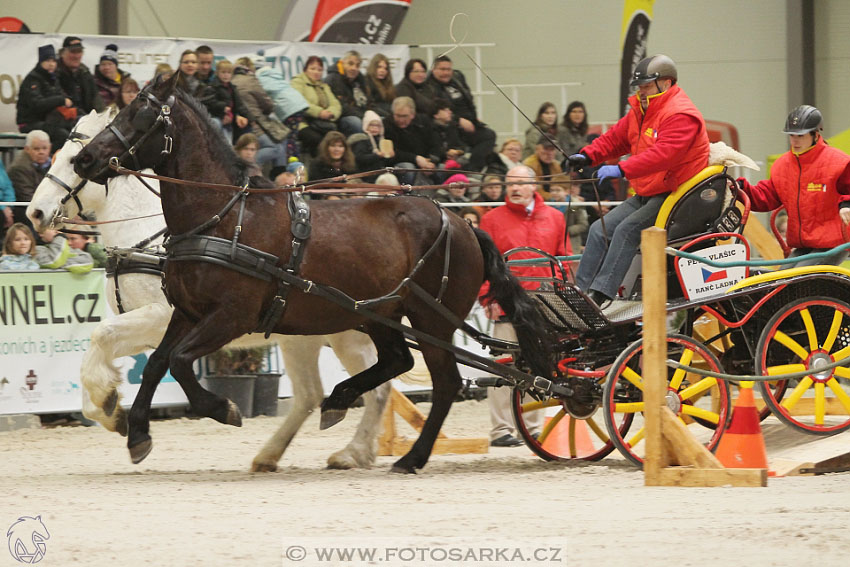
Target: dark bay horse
(359,248)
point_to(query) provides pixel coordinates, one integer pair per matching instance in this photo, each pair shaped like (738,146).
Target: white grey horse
(142,325)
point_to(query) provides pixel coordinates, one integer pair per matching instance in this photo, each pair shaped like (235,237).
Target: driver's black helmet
(652,68)
(802,120)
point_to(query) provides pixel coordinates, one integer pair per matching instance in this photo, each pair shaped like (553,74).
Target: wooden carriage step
(390,443)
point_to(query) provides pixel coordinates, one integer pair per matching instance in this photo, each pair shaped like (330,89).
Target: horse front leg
(301,362)
(447,382)
(357,353)
(125,335)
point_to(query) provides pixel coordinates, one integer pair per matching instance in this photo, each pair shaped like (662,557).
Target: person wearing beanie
(454,192)
(371,150)
(108,77)
(42,105)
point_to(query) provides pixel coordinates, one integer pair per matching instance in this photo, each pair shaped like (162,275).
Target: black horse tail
(531,328)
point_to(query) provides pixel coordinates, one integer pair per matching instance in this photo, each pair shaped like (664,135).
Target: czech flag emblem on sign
(708,276)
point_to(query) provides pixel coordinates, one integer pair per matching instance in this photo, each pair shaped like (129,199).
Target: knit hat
(456,178)
(452,164)
(294,166)
(46,52)
(110,53)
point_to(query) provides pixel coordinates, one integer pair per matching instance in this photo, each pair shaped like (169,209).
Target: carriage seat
(700,205)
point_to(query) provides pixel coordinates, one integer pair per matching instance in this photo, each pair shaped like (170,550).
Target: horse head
(139,137)
(60,192)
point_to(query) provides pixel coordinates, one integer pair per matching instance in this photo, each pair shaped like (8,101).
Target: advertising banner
(140,55)
(637,15)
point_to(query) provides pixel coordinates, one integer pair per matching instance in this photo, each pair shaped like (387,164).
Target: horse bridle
(77,137)
(146,120)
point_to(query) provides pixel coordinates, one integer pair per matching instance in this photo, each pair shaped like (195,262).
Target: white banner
(140,55)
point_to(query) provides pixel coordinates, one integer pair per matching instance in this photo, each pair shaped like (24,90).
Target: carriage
(233,262)
(720,320)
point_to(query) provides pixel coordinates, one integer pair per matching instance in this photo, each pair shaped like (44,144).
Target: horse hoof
(234,416)
(402,470)
(141,450)
(331,417)
(263,467)
(110,403)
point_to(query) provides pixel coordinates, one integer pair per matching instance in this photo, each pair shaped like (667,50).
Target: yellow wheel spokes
(704,414)
(534,406)
(597,430)
(551,425)
(635,439)
(698,388)
(811,332)
(791,344)
(839,392)
(785,369)
(837,319)
(628,407)
(679,375)
(633,377)
(820,403)
(789,402)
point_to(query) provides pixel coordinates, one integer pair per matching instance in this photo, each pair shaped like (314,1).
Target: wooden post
(668,440)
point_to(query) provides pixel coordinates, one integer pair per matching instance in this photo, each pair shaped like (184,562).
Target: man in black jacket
(76,79)
(41,103)
(448,84)
(349,86)
(415,143)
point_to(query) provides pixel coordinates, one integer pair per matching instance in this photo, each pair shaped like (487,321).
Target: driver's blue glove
(609,171)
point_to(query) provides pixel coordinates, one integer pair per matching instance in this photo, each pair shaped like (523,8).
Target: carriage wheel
(700,402)
(806,334)
(570,430)
(778,389)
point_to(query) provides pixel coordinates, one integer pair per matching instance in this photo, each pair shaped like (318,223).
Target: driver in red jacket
(812,182)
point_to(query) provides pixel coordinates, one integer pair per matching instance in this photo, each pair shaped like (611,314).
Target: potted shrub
(238,374)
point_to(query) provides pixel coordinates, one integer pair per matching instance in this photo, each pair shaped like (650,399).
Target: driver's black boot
(598,298)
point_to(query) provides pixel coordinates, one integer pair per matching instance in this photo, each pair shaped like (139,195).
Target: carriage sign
(700,280)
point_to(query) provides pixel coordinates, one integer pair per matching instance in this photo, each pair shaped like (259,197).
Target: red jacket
(511,226)
(668,143)
(811,185)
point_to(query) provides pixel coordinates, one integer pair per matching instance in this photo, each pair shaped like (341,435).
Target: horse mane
(221,151)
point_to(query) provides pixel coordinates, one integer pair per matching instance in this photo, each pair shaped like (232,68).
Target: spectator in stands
(448,84)
(366,146)
(324,109)
(18,249)
(76,79)
(576,217)
(292,174)
(28,169)
(247,147)
(547,120)
(289,105)
(472,216)
(108,77)
(42,105)
(415,85)
(186,79)
(224,103)
(205,64)
(453,191)
(508,158)
(451,145)
(129,91)
(164,69)
(572,136)
(545,166)
(82,239)
(349,86)
(493,190)
(270,131)
(415,143)
(524,220)
(379,85)
(334,158)
(7,195)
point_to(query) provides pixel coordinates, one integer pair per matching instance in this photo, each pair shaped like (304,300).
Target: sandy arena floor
(193,502)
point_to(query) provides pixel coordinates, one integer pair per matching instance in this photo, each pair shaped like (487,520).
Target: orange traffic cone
(742,445)
(558,440)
